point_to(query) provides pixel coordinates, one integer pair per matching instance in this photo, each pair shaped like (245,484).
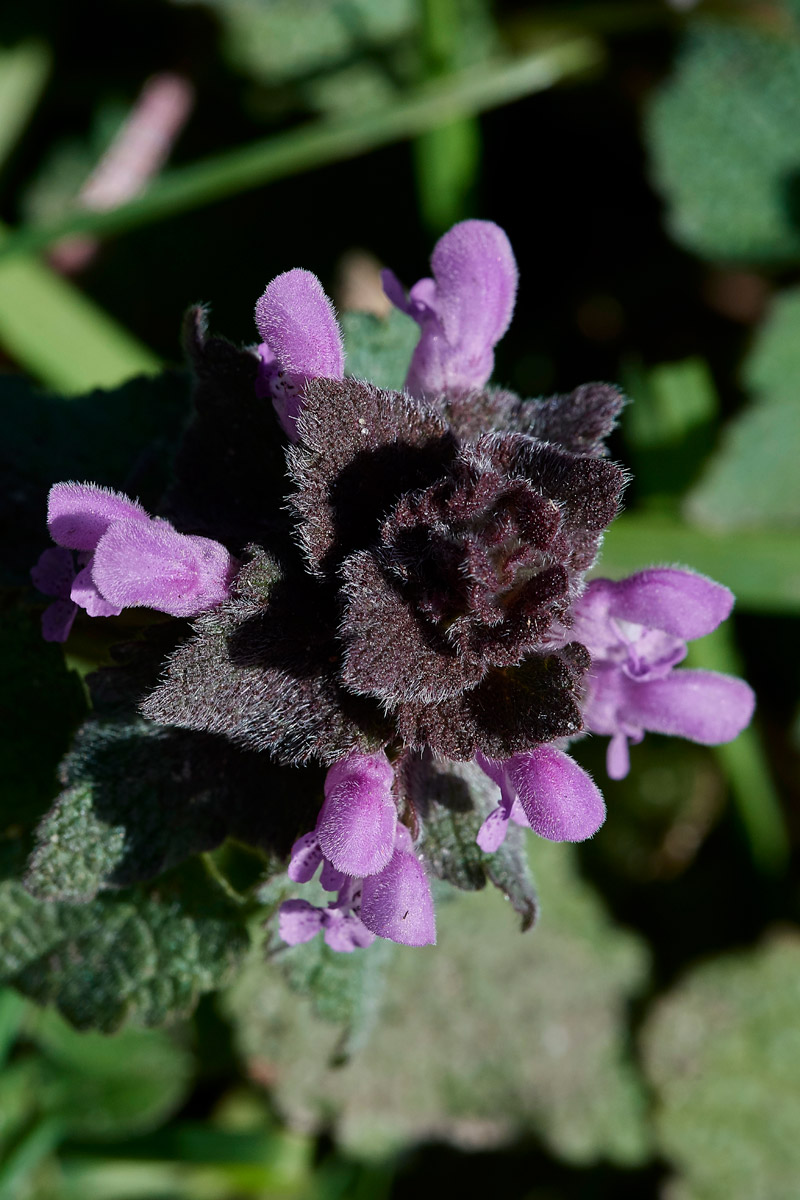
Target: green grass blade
(23,73)
(761,567)
(59,335)
(35,1146)
(746,767)
(459,95)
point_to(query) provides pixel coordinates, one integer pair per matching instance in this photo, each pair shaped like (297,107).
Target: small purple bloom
(636,631)
(356,826)
(545,789)
(54,575)
(463,311)
(343,930)
(300,341)
(397,903)
(129,559)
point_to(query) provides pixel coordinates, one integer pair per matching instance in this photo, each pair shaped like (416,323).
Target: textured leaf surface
(490,1032)
(379,349)
(136,958)
(723,134)
(752,480)
(722,1053)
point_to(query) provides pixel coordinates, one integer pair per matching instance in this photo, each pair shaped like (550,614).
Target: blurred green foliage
(571,1052)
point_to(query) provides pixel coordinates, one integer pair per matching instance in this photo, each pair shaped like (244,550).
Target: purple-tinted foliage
(636,631)
(300,341)
(462,312)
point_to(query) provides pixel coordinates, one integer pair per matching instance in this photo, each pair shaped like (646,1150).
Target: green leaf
(752,480)
(141,798)
(379,349)
(23,72)
(62,337)
(522,1034)
(144,959)
(723,136)
(722,1055)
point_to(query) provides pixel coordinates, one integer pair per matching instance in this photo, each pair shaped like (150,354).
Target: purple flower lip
(636,631)
(127,559)
(463,311)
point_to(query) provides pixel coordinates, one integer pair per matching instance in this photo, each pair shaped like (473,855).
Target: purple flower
(127,559)
(54,575)
(545,789)
(636,631)
(300,341)
(462,312)
(367,857)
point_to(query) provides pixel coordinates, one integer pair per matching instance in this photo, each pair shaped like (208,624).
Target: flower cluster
(424,607)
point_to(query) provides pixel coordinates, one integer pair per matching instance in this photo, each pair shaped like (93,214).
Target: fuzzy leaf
(132,958)
(722,1054)
(723,134)
(541,1047)
(140,799)
(379,349)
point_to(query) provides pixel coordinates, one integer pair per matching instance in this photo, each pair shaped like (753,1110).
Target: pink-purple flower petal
(87,596)
(676,601)
(78,514)
(356,826)
(561,801)
(150,564)
(297,322)
(57,620)
(304,859)
(299,921)
(703,706)
(397,903)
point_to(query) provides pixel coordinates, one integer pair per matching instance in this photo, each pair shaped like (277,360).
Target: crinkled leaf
(140,799)
(723,135)
(452,800)
(379,349)
(138,958)
(722,1055)
(518,1034)
(752,479)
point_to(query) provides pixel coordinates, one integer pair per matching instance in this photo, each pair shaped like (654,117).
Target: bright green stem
(23,73)
(61,336)
(746,767)
(460,95)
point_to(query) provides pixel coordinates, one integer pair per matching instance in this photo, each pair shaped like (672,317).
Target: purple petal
(299,921)
(703,706)
(54,572)
(150,564)
(468,311)
(57,620)
(492,832)
(394,291)
(85,594)
(305,858)
(560,800)
(676,601)
(618,759)
(298,323)
(357,822)
(331,879)
(345,932)
(397,903)
(78,514)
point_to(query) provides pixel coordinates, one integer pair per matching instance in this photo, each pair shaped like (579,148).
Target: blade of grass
(57,333)
(23,73)
(746,767)
(37,1144)
(459,95)
(761,567)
